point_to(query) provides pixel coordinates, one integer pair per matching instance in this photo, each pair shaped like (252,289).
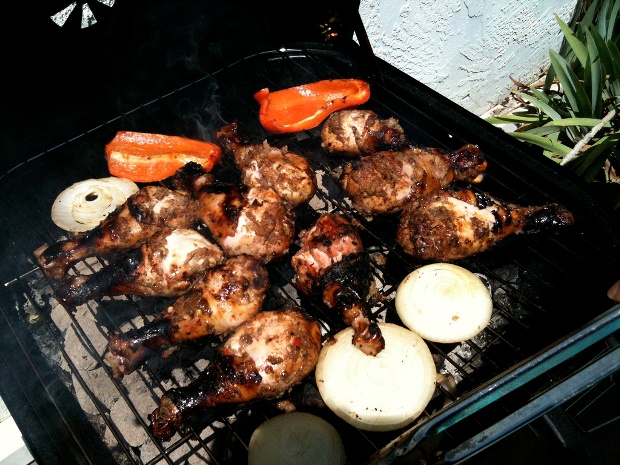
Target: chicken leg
(385,181)
(165,265)
(253,221)
(262,165)
(265,357)
(140,217)
(360,132)
(221,300)
(332,264)
(452,224)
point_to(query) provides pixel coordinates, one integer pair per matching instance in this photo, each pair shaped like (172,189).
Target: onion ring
(83,205)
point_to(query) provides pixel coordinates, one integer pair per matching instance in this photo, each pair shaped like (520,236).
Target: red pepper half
(146,157)
(306,106)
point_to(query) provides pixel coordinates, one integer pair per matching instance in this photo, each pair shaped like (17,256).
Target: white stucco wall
(467,49)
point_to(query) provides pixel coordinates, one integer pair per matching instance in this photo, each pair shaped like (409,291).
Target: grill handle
(578,382)
(598,329)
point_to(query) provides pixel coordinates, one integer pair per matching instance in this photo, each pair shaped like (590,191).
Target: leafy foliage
(574,118)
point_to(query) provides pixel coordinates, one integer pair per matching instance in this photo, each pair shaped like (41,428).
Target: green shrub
(574,117)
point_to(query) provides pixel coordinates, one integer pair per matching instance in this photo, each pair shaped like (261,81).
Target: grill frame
(57,430)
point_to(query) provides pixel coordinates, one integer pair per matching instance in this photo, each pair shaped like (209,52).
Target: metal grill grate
(535,280)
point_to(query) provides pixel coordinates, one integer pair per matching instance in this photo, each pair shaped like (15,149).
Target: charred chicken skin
(140,217)
(383,182)
(252,221)
(452,224)
(332,264)
(222,299)
(261,165)
(263,359)
(360,132)
(165,265)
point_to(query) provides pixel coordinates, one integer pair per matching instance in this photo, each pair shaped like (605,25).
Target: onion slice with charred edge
(382,392)
(443,302)
(83,205)
(298,438)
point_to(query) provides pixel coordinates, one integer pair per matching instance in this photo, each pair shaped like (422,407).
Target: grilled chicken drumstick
(219,301)
(360,132)
(140,217)
(385,181)
(332,264)
(165,265)
(452,224)
(247,221)
(262,165)
(265,357)
(253,221)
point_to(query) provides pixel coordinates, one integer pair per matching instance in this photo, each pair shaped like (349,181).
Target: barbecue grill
(188,68)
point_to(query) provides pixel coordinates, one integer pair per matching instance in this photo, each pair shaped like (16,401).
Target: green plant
(574,118)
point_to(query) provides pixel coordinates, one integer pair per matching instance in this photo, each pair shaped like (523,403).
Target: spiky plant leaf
(574,91)
(542,142)
(578,47)
(588,122)
(593,76)
(614,72)
(512,119)
(588,164)
(541,105)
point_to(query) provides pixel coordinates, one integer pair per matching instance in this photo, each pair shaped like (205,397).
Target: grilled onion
(382,392)
(83,205)
(298,438)
(443,302)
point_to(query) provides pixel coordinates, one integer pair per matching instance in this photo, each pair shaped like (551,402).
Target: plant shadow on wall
(573,115)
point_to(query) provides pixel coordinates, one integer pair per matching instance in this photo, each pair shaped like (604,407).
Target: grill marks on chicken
(261,165)
(165,265)
(383,182)
(452,224)
(360,132)
(222,299)
(143,214)
(332,264)
(264,358)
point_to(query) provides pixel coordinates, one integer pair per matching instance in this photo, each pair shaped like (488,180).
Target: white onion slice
(382,392)
(298,438)
(83,205)
(443,302)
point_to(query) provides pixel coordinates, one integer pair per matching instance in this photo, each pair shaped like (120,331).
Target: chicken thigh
(452,224)
(360,132)
(140,217)
(165,265)
(385,181)
(263,359)
(219,301)
(332,264)
(261,165)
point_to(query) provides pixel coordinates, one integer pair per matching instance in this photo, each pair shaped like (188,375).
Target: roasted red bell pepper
(145,157)
(306,106)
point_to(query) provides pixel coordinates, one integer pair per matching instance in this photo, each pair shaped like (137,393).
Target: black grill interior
(544,286)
